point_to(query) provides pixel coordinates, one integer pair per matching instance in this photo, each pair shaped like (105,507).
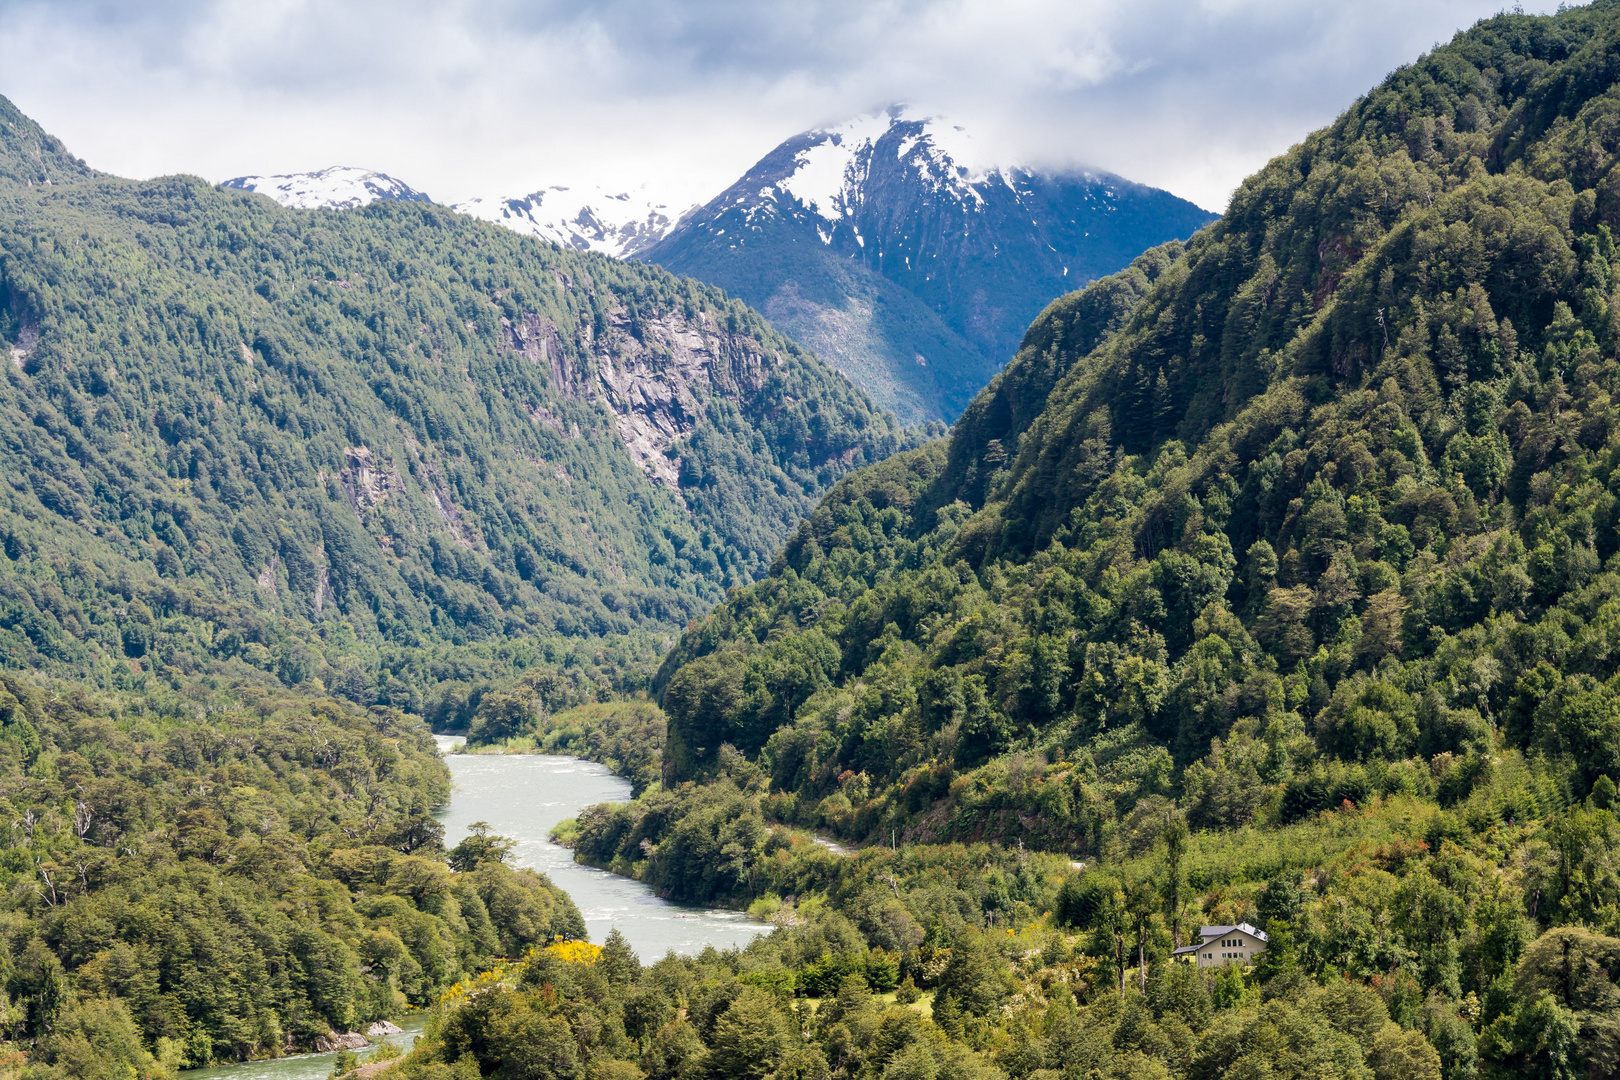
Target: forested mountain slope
(420,426)
(1273,582)
(1333,501)
(29,156)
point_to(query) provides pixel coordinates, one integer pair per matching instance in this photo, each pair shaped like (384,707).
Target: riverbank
(317,1066)
(523,797)
(625,736)
(612,734)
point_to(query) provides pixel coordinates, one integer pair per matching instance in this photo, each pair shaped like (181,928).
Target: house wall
(1235,947)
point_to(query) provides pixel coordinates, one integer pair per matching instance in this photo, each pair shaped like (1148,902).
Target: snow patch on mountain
(832,166)
(588,218)
(341,187)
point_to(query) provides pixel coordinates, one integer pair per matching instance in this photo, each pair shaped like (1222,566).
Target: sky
(463,98)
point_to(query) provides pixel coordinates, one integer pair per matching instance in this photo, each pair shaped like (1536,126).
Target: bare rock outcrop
(367,481)
(538,340)
(656,375)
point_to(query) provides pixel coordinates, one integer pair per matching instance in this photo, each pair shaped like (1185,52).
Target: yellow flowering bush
(575,952)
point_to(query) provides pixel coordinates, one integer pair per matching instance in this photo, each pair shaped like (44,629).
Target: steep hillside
(394,422)
(1328,516)
(884,247)
(1275,583)
(29,156)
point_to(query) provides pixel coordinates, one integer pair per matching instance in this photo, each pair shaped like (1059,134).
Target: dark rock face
(877,246)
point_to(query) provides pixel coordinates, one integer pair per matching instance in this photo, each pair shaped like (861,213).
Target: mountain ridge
(620,224)
(912,270)
(963,255)
(338,187)
(395,417)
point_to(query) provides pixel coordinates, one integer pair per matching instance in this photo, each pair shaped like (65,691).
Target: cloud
(491,97)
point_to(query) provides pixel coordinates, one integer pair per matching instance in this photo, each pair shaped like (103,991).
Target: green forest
(205,876)
(383,449)
(1275,581)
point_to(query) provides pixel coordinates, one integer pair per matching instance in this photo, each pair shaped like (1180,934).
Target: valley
(1263,588)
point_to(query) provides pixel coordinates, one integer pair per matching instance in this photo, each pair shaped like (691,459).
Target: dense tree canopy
(216,875)
(1273,577)
(386,440)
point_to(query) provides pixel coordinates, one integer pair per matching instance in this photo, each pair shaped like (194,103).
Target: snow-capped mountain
(341,187)
(616,223)
(833,166)
(888,246)
(620,224)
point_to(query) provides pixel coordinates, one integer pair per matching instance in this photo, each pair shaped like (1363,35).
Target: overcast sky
(500,97)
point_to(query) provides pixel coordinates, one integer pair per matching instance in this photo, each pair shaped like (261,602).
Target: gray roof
(1242,928)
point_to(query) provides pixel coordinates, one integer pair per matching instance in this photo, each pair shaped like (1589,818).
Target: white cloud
(489,97)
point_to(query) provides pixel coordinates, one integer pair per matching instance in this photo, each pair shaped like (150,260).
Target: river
(521,796)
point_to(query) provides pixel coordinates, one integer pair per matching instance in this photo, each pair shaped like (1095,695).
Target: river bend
(521,797)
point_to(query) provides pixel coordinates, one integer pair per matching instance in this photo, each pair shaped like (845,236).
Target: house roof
(1242,928)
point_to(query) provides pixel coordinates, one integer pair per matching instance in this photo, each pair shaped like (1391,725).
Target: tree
(700,701)
(1540,1040)
(1281,899)
(1174,837)
(534,1046)
(1580,972)
(619,962)
(503,714)
(1083,899)
(749,1038)
(98,1039)
(478,847)
(1140,906)
(973,982)
(1398,1054)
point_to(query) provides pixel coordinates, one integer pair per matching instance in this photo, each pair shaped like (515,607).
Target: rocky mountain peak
(896,247)
(832,168)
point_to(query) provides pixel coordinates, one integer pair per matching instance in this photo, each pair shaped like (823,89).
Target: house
(1238,944)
